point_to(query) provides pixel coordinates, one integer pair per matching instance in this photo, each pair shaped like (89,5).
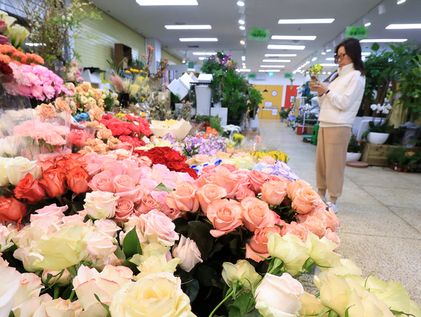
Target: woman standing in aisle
(339,103)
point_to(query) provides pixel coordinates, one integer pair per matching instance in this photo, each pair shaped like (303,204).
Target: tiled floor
(380,211)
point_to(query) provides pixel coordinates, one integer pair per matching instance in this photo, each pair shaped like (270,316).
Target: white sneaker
(332,207)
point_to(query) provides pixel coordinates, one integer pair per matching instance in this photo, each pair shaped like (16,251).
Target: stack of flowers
(204,144)
(176,128)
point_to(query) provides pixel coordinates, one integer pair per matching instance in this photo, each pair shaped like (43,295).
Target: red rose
(135,142)
(11,209)
(54,182)
(29,188)
(77,180)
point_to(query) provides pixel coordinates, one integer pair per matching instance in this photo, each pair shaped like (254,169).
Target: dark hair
(353,50)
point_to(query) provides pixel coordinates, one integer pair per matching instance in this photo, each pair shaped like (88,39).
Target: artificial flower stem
(228,296)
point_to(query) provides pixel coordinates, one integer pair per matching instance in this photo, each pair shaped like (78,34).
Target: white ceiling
(223,15)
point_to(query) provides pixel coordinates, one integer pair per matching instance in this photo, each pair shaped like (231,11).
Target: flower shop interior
(172,158)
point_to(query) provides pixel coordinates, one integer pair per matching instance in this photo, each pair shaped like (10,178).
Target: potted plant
(354,150)
(379,128)
(402,159)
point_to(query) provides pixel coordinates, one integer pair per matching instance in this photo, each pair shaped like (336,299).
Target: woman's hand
(320,88)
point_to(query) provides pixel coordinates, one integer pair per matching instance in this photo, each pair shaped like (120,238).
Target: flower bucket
(352,156)
(377,137)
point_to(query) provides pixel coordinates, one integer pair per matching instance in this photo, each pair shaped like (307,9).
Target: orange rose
(29,188)
(11,209)
(77,180)
(209,193)
(256,214)
(295,187)
(257,248)
(183,198)
(306,201)
(225,216)
(54,182)
(274,192)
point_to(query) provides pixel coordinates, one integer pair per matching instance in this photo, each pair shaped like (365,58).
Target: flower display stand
(376,154)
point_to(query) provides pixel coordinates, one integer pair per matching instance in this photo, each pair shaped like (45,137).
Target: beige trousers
(332,145)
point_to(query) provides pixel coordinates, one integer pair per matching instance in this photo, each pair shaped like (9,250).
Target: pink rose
(274,192)
(160,198)
(332,236)
(183,198)
(257,248)
(256,214)
(206,178)
(225,178)
(244,192)
(257,179)
(48,214)
(124,209)
(103,182)
(188,252)
(209,193)
(146,204)
(306,200)
(106,226)
(225,216)
(296,229)
(123,183)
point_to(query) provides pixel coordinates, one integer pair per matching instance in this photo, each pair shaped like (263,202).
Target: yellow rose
(153,295)
(311,306)
(334,291)
(345,267)
(242,272)
(321,251)
(290,249)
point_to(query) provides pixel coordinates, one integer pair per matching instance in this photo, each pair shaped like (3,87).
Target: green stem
(72,295)
(56,292)
(228,296)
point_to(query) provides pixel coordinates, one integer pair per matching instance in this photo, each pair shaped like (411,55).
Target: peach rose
(257,179)
(124,209)
(62,105)
(225,216)
(306,200)
(225,178)
(274,192)
(332,236)
(295,229)
(256,214)
(183,198)
(257,248)
(104,134)
(209,193)
(295,187)
(315,225)
(46,111)
(244,192)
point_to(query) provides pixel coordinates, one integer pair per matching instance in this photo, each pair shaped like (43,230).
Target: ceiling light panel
(294,37)
(383,40)
(198,39)
(306,21)
(410,26)
(280,55)
(204,53)
(328,65)
(240,3)
(189,27)
(267,60)
(167,2)
(272,66)
(243,70)
(269,70)
(286,47)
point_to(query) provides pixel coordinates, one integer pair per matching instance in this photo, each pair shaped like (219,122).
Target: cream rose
(100,205)
(6,236)
(278,296)
(242,272)
(18,167)
(188,252)
(9,286)
(58,308)
(153,295)
(321,251)
(4,180)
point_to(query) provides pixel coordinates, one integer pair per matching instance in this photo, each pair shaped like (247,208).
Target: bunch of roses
(129,129)
(9,53)
(49,133)
(168,157)
(122,188)
(34,81)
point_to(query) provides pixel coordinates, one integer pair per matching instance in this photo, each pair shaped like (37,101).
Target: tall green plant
(234,96)
(410,88)
(255,97)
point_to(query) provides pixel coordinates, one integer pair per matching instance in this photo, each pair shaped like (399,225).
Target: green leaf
(131,244)
(162,188)
(120,254)
(243,304)
(191,289)
(200,233)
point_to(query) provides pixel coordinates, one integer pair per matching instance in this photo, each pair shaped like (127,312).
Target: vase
(352,156)
(377,137)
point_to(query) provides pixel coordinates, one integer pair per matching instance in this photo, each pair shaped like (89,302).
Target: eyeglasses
(339,56)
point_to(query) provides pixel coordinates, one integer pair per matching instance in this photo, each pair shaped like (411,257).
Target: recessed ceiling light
(276,61)
(272,66)
(241,21)
(294,37)
(243,70)
(243,58)
(328,65)
(240,3)
(198,39)
(202,58)
(305,21)
(242,27)
(367,24)
(314,59)
(400,2)
(384,40)
(167,2)
(189,27)
(269,70)
(286,47)
(280,55)
(408,26)
(323,53)
(242,42)
(204,53)
(328,50)
(365,53)
(330,59)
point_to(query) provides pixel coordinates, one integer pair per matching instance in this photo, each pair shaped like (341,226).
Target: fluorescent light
(286,47)
(280,55)
(330,59)
(323,53)
(240,3)
(328,65)
(242,27)
(272,66)
(167,2)
(410,26)
(276,60)
(202,58)
(242,42)
(314,59)
(305,21)
(241,21)
(365,53)
(400,2)
(243,58)
(269,70)
(243,70)
(328,50)
(189,27)
(367,24)
(384,40)
(198,39)
(35,44)
(294,37)
(204,53)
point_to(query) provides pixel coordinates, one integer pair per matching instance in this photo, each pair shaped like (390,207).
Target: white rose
(58,308)
(18,167)
(188,252)
(30,287)
(10,283)
(108,227)
(321,251)
(6,236)
(100,205)
(99,245)
(29,307)
(4,180)
(279,296)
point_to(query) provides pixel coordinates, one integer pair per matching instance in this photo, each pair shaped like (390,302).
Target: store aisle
(380,211)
